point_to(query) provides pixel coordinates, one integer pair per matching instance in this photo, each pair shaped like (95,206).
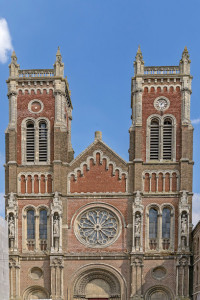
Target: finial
(59,66)
(185,50)
(139,62)
(58,52)
(13,54)
(185,62)
(13,57)
(139,50)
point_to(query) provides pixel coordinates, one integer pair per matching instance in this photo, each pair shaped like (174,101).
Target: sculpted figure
(137,225)
(11,227)
(56,226)
(184,224)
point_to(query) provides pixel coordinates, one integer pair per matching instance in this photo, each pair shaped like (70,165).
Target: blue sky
(98,41)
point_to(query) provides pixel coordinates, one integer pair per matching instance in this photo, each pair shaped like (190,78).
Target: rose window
(97,227)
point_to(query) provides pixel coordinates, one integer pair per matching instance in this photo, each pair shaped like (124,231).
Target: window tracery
(97,227)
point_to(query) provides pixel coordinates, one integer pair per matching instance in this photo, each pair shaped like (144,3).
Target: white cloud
(195,121)
(196,209)
(5,41)
(2,205)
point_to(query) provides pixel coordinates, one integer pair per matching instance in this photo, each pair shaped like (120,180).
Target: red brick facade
(83,228)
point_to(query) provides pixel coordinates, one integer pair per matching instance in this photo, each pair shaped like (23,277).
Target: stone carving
(11,227)
(97,227)
(184,223)
(184,197)
(56,229)
(56,220)
(137,224)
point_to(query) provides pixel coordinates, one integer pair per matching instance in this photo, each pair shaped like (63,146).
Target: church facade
(95,226)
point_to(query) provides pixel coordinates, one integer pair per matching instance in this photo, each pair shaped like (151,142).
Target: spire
(139,63)
(58,55)
(14,66)
(59,65)
(185,62)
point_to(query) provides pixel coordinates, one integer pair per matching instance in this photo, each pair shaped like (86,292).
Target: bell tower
(161,164)
(38,144)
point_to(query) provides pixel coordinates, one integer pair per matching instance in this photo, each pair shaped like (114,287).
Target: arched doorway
(97,284)
(35,292)
(97,289)
(158,293)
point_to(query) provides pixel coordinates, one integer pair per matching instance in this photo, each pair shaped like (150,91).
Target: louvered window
(30,142)
(43,141)
(167,139)
(154,139)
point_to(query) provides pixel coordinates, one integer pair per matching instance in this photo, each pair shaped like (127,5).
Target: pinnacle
(13,54)
(185,50)
(58,52)
(139,50)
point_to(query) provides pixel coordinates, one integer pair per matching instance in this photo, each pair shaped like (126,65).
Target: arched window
(30,142)
(154,139)
(153,223)
(161,138)
(35,136)
(166,220)
(42,141)
(30,224)
(167,139)
(43,225)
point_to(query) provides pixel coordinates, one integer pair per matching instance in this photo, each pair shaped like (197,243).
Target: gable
(98,174)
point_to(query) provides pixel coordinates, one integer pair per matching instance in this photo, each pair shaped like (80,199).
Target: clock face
(161,104)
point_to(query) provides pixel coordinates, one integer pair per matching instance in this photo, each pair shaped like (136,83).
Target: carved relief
(56,221)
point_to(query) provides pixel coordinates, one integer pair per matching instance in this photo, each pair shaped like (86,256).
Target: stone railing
(161,70)
(35,73)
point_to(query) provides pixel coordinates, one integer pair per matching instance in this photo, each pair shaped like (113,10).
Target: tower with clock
(95,226)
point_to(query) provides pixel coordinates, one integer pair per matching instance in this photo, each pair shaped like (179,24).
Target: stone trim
(159,239)
(87,163)
(164,172)
(35,100)
(100,204)
(75,287)
(161,124)
(168,87)
(96,207)
(23,140)
(23,90)
(24,227)
(32,174)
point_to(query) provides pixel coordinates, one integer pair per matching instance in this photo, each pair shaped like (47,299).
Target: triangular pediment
(98,169)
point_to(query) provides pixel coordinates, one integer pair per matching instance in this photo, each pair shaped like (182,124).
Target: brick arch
(87,273)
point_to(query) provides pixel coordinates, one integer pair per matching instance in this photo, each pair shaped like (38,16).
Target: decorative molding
(36,132)
(87,163)
(161,124)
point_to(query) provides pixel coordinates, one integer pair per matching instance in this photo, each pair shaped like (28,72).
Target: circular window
(35,106)
(159,273)
(36,273)
(97,227)
(161,103)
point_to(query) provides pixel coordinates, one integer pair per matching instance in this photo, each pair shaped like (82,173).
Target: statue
(56,226)
(11,227)
(137,225)
(184,224)
(11,200)
(184,198)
